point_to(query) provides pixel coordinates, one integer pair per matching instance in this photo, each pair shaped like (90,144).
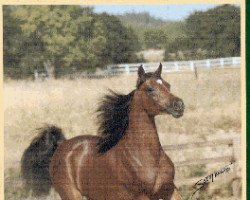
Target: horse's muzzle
(176,109)
(178,105)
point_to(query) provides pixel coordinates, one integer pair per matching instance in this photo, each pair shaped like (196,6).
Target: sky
(166,12)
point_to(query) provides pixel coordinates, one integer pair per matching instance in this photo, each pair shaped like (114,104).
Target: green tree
(215,33)
(64,39)
(60,37)
(155,38)
(12,43)
(217,30)
(122,43)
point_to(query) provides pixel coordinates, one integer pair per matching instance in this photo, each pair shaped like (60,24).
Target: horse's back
(88,142)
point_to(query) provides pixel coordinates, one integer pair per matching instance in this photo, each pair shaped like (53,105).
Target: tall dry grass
(212,111)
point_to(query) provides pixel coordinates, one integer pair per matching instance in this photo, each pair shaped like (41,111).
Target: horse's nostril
(178,105)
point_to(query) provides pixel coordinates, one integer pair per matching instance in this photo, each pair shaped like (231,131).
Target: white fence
(176,65)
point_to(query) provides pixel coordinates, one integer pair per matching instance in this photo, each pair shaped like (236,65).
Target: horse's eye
(150,90)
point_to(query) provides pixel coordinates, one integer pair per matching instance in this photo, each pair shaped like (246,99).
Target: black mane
(113,118)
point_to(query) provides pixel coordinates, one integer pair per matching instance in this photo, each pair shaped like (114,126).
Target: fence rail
(233,143)
(176,65)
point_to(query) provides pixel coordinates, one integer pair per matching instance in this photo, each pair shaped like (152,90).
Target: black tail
(36,159)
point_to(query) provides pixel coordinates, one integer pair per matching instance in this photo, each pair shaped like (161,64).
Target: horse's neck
(141,132)
(140,146)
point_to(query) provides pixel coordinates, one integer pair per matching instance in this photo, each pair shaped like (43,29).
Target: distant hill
(142,22)
(141,19)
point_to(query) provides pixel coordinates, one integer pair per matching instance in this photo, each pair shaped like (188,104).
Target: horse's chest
(138,171)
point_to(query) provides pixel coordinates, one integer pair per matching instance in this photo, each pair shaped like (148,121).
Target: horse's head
(156,96)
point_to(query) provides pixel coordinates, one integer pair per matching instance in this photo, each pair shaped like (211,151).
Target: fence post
(208,63)
(236,169)
(192,65)
(36,74)
(234,61)
(195,72)
(176,66)
(109,69)
(222,62)
(127,69)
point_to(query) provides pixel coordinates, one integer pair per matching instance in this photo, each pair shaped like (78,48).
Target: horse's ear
(141,72)
(159,70)
(141,77)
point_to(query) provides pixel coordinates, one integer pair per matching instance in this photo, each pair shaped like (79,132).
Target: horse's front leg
(166,192)
(176,195)
(164,187)
(143,197)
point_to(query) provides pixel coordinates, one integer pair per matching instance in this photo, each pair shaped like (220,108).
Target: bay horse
(125,162)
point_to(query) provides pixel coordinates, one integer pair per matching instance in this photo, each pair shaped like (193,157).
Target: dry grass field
(212,111)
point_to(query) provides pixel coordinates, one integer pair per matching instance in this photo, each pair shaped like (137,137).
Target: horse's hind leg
(69,192)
